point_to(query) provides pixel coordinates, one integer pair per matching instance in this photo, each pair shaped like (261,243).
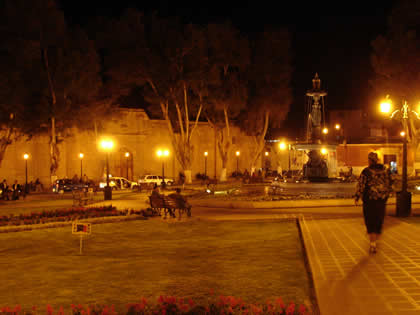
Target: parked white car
(119,183)
(155,179)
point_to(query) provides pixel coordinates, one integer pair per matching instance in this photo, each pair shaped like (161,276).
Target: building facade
(133,132)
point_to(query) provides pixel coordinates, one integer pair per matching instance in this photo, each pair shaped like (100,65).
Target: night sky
(333,40)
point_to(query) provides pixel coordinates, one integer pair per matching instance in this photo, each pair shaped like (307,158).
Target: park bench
(81,198)
(168,205)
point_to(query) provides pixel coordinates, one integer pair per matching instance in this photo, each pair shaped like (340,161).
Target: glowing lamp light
(282,146)
(324,151)
(386,105)
(206,153)
(26,156)
(402,133)
(325,131)
(337,126)
(81,155)
(160,153)
(127,154)
(266,153)
(238,153)
(107,144)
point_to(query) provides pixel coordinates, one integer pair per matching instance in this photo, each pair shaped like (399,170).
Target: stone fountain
(321,156)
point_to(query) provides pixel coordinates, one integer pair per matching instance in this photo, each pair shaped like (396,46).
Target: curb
(284,204)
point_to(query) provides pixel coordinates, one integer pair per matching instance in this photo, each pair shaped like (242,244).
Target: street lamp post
(81,156)
(265,160)
(237,161)
(127,155)
(403,205)
(205,164)
(283,146)
(26,157)
(107,146)
(338,131)
(325,132)
(162,154)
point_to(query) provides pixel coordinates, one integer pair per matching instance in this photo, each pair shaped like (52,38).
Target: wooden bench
(168,205)
(81,198)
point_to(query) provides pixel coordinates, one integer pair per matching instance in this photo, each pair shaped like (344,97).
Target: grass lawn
(254,260)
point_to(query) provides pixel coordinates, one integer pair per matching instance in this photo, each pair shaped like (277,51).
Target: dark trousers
(374,214)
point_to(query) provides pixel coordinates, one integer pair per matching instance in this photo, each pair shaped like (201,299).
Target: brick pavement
(349,280)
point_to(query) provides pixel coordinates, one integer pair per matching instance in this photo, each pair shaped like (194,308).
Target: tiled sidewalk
(349,280)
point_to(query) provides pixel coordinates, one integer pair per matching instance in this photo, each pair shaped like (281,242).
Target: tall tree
(67,76)
(177,48)
(226,86)
(163,56)
(19,61)
(269,88)
(396,62)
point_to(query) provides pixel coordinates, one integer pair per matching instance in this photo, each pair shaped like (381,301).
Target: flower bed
(170,305)
(62,215)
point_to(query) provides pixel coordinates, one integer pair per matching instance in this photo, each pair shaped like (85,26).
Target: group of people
(11,192)
(16,190)
(76,180)
(177,196)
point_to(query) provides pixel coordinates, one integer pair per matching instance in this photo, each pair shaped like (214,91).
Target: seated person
(180,199)
(155,191)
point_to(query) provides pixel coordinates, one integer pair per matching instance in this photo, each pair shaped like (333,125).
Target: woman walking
(374,188)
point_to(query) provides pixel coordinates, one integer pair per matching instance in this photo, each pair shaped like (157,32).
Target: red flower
(17,309)
(290,309)
(302,309)
(279,302)
(50,310)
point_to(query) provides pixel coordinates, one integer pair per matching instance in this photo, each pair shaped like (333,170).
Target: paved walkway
(348,280)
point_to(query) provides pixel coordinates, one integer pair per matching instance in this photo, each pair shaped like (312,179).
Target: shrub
(64,215)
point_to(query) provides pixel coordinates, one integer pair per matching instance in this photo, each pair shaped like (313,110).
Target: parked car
(118,183)
(155,179)
(66,184)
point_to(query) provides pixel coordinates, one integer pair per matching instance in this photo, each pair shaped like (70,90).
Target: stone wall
(132,132)
(355,155)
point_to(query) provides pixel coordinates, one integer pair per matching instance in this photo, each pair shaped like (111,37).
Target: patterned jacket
(374,183)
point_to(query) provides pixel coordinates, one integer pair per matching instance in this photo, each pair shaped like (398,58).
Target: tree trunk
(188,176)
(181,143)
(3,146)
(54,152)
(223,174)
(224,143)
(5,140)
(259,141)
